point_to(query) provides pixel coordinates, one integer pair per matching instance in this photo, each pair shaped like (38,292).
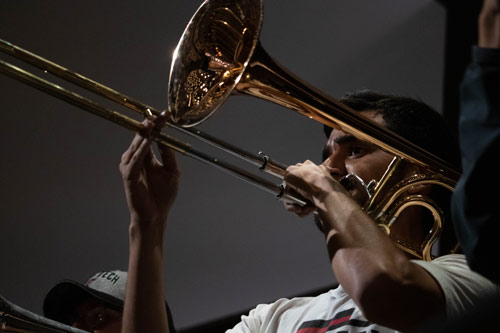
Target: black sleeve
(474,211)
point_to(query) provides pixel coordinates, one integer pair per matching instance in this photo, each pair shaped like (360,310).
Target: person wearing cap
(93,306)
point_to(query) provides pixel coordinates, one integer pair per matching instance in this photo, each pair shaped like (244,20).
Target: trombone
(218,55)
(262,161)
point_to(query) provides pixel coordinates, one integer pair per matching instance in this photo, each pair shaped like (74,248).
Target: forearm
(380,278)
(358,249)
(489,25)
(144,302)
(387,287)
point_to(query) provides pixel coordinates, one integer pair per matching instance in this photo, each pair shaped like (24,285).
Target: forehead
(374,115)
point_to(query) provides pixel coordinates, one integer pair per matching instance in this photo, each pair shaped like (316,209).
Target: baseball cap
(62,299)
(108,286)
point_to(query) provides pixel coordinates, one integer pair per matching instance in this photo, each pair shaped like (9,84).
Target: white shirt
(335,311)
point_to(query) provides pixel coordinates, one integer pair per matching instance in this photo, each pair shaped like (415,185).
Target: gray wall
(229,246)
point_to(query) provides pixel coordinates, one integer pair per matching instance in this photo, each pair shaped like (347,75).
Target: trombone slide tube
(131,124)
(266,165)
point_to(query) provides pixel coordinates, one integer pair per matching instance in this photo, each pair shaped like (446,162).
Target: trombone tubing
(132,124)
(267,79)
(263,162)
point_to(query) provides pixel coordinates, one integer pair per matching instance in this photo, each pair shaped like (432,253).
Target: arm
(388,288)
(150,188)
(474,210)
(489,24)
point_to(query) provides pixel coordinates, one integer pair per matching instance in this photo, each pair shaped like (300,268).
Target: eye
(96,318)
(99,317)
(357,151)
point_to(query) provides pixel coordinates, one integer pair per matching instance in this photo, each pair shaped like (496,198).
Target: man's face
(94,316)
(344,154)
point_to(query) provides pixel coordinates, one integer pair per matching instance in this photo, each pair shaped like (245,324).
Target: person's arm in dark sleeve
(476,217)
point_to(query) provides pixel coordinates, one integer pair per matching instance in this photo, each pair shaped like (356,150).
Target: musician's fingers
(138,149)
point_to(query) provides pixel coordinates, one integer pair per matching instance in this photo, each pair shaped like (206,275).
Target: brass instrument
(15,319)
(218,55)
(262,161)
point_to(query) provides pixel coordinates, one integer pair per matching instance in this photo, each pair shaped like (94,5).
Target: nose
(335,166)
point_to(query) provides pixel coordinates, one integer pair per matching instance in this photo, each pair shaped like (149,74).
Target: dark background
(229,246)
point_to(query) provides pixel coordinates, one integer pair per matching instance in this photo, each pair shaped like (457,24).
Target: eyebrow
(343,139)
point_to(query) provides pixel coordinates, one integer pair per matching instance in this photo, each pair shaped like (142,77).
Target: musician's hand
(489,24)
(313,182)
(150,185)
(301,211)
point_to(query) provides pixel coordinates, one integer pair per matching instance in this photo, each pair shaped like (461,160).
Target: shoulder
(461,287)
(451,266)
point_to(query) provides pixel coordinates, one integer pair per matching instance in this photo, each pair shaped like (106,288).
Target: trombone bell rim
(212,70)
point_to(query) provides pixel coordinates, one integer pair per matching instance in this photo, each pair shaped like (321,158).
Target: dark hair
(411,118)
(419,123)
